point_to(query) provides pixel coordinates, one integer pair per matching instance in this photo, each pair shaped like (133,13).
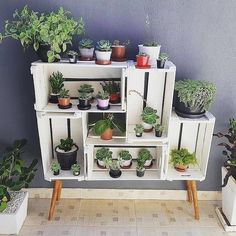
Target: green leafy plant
(104,45)
(103,95)
(56,81)
(75,168)
(14,175)
(119,43)
(110,87)
(159,127)
(196,94)
(64,93)
(66,144)
(182,157)
(138,128)
(55,167)
(150,44)
(144,155)
(72,53)
(85,88)
(230,150)
(112,164)
(85,96)
(125,155)
(149,115)
(140,165)
(86,43)
(55,29)
(109,122)
(163,56)
(103,154)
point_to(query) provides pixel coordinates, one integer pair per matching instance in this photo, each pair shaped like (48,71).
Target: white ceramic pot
(101,163)
(153,53)
(103,56)
(125,163)
(86,52)
(229,199)
(148,163)
(103,103)
(147,126)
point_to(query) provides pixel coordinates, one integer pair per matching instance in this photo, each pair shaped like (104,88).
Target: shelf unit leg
(59,191)
(189,190)
(56,190)
(195,199)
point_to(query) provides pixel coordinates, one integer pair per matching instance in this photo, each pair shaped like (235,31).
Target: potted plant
(75,169)
(55,168)
(113,89)
(114,168)
(72,56)
(49,34)
(125,159)
(163,57)
(103,100)
(182,158)
(145,156)
(140,169)
(86,49)
(105,126)
(142,61)
(103,155)
(118,50)
(56,81)
(66,153)
(14,175)
(64,99)
(138,130)
(229,172)
(149,118)
(86,88)
(193,97)
(158,130)
(103,52)
(84,101)
(152,49)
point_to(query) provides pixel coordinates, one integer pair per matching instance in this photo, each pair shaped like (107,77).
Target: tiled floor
(122,218)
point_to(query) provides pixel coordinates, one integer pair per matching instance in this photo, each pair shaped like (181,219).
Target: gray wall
(198,35)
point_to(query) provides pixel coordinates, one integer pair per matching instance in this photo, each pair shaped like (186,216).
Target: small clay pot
(158,133)
(114,98)
(56,172)
(107,135)
(142,61)
(118,53)
(64,102)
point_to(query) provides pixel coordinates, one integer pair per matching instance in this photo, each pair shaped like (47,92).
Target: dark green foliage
(85,88)
(110,87)
(56,81)
(104,45)
(66,144)
(149,115)
(103,154)
(86,43)
(64,93)
(125,155)
(182,157)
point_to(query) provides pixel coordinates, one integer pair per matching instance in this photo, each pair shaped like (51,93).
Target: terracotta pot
(107,135)
(142,61)
(181,168)
(118,52)
(64,102)
(114,97)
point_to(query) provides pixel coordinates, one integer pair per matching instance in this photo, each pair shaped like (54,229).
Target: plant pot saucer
(126,167)
(84,108)
(86,58)
(143,67)
(101,167)
(148,130)
(103,108)
(101,62)
(119,59)
(65,107)
(190,116)
(148,167)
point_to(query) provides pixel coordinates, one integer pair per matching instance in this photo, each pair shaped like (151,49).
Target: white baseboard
(122,194)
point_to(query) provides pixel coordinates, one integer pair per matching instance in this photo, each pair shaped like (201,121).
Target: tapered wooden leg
(54,198)
(59,191)
(195,199)
(189,190)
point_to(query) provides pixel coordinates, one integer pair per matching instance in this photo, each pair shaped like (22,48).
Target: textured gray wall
(198,35)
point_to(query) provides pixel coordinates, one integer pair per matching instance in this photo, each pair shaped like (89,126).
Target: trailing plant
(230,150)
(56,81)
(55,166)
(149,115)
(104,45)
(66,144)
(144,155)
(110,87)
(64,93)
(196,94)
(75,168)
(103,154)
(159,127)
(103,95)
(119,43)
(14,174)
(138,128)
(150,44)
(125,155)
(86,88)
(72,53)
(163,56)
(86,43)
(182,157)
(55,29)
(85,96)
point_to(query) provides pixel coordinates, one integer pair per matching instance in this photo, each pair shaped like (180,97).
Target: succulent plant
(125,155)
(118,43)
(182,157)
(163,56)
(55,167)
(75,167)
(144,155)
(103,154)
(56,81)
(66,144)
(138,128)
(85,88)
(149,115)
(110,87)
(86,43)
(150,44)
(72,53)
(103,95)
(104,45)
(85,96)
(159,127)
(64,93)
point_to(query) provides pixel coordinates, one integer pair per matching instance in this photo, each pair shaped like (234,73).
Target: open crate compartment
(196,136)
(75,75)
(52,127)
(155,172)
(152,88)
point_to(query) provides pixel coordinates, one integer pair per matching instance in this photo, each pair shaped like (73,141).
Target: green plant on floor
(104,45)
(149,115)
(111,87)
(55,166)
(138,128)
(125,155)
(230,150)
(86,43)
(86,88)
(66,144)
(56,81)
(144,155)
(196,94)
(103,154)
(14,174)
(119,43)
(103,95)
(55,29)
(64,93)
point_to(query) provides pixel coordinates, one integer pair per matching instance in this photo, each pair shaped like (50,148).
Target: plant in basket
(86,49)
(56,81)
(103,52)
(103,155)
(84,101)
(125,159)
(64,99)
(139,130)
(149,118)
(103,100)
(55,168)
(118,50)
(145,154)
(113,89)
(72,56)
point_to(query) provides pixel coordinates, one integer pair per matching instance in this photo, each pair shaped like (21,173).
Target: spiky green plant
(56,81)
(86,88)
(110,87)
(86,43)
(104,45)
(64,93)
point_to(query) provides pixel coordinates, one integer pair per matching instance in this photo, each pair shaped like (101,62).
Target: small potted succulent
(158,130)
(86,49)
(72,56)
(142,60)
(55,168)
(84,101)
(66,153)
(149,118)
(105,127)
(182,158)
(64,99)
(138,130)
(118,50)
(75,168)
(193,97)
(140,169)
(103,52)
(113,89)
(103,100)
(152,49)
(163,57)
(144,154)
(103,155)
(125,159)
(86,88)
(56,81)
(114,168)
